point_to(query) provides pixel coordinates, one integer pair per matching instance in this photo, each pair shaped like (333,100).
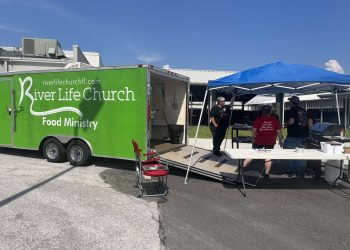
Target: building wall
(28,65)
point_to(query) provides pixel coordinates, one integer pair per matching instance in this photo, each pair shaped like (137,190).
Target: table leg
(239,170)
(243,183)
(241,176)
(340,172)
(237,143)
(231,137)
(348,175)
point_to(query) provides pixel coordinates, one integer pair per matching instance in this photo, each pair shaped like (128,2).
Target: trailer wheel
(54,151)
(78,153)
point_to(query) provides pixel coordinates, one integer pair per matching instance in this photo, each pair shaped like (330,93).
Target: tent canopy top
(280,77)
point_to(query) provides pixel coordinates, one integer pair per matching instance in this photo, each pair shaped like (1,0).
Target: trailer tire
(54,151)
(78,153)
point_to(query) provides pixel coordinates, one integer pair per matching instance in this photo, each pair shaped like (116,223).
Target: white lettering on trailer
(119,98)
(88,94)
(127,94)
(42,113)
(68,95)
(53,123)
(47,95)
(91,93)
(69,122)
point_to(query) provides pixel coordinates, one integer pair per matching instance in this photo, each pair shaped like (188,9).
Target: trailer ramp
(203,163)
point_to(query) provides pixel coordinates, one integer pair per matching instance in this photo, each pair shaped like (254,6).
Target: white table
(280,154)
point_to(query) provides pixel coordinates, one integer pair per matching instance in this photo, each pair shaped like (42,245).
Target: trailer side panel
(105,107)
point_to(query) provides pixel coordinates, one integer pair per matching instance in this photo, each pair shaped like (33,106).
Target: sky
(197,34)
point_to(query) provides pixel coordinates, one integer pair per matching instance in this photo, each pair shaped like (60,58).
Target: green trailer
(77,113)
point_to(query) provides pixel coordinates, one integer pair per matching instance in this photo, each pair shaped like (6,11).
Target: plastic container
(332,171)
(299,150)
(332,148)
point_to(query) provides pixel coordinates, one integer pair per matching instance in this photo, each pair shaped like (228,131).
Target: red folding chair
(150,172)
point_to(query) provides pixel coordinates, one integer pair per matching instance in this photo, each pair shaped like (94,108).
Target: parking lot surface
(56,206)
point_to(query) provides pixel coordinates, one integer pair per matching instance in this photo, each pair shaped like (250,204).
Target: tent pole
(280,106)
(195,138)
(321,118)
(229,123)
(345,107)
(191,107)
(347,112)
(336,98)
(283,108)
(210,105)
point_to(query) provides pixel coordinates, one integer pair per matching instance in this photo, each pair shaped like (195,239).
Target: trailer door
(6,112)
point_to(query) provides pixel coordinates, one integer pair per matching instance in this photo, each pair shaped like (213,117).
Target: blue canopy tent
(275,78)
(282,77)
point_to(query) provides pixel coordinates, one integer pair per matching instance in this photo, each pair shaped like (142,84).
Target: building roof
(200,77)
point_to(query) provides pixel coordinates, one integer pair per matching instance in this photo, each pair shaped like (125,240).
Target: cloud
(46,6)
(150,58)
(12,29)
(137,46)
(333,65)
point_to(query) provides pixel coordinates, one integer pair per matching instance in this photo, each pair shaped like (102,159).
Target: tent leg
(195,138)
(321,118)
(229,123)
(280,106)
(336,98)
(345,105)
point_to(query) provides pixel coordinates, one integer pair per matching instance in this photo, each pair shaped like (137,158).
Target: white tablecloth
(283,154)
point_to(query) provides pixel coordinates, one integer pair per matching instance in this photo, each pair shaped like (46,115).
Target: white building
(45,54)
(199,81)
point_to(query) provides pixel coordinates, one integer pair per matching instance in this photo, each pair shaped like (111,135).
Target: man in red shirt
(266,128)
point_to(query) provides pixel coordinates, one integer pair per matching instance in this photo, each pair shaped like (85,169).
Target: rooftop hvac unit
(42,48)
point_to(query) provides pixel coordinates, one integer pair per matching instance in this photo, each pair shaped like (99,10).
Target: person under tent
(219,121)
(266,128)
(298,123)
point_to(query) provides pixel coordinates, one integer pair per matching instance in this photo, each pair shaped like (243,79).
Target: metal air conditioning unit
(39,47)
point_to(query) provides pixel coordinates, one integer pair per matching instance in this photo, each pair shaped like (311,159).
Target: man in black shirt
(218,124)
(298,123)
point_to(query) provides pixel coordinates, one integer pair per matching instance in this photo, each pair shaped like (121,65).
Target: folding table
(280,154)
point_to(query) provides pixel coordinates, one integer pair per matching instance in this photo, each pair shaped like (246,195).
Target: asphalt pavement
(56,206)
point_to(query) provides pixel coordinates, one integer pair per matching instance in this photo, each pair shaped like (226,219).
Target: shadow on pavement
(20,194)
(22,152)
